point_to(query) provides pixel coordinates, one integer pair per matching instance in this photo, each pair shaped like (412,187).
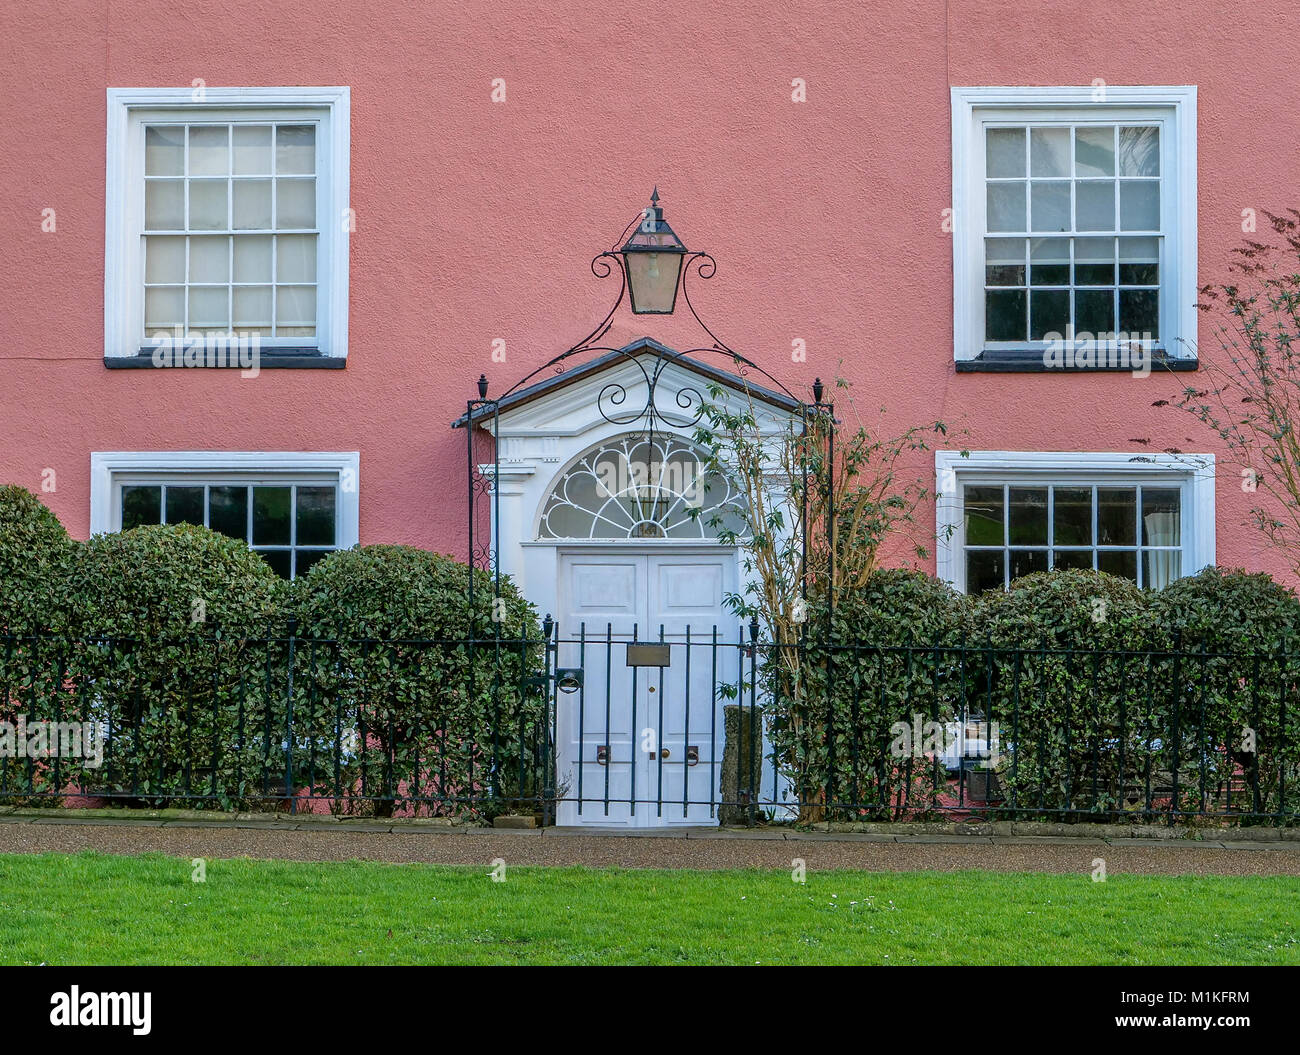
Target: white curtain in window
(1162,567)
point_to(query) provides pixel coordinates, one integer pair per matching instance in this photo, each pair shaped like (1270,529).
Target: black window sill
(267,359)
(1031,362)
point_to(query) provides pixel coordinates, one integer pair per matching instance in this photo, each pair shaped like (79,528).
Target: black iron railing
(621,726)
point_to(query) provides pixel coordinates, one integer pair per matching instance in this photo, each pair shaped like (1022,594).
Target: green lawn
(97,909)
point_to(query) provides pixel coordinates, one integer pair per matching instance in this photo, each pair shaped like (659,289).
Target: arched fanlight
(635,487)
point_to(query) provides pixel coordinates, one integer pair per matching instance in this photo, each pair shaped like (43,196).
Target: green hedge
(179,673)
(1238,686)
(839,743)
(36,557)
(1047,663)
(433,719)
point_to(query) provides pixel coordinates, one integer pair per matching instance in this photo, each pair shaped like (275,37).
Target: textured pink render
(476,221)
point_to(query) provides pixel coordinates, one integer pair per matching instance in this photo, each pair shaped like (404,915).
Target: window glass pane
(1118,562)
(1004,315)
(1161,507)
(1139,151)
(1004,261)
(210,259)
(1049,262)
(307,557)
(228,511)
(295,150)
(253,258)
(252,307)
(164,307)
(209,151)
(1094,311)
(1050,206)
(164,259)
(1049,313)
(209,307)
(1072,517)
(252,150)
(1160,568)
(1094,261)
(1117,517)
(280,561)
(184,505)
(141,505)
(984,570)
(1073,558)
(271,513)
(1004,152)
(1139,205)
(1028,516)
(1139,261)
(1095,206)
(1006,207)
(983,508)
(1094,151)
(1027,561)
(252,205)
(315,516)
(295,203)
(295,258)
(164,150)
(1139,311)
(295,305)
(1049,152)
(164,205)
(207,205)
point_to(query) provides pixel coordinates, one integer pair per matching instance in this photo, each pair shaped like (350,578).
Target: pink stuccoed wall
(477,220)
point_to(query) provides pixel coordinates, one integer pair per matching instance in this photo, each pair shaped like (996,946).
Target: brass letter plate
(647,654)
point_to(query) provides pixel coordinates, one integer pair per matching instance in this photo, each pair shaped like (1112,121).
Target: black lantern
(652,259)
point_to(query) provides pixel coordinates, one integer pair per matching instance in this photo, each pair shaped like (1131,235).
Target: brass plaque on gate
(648,654)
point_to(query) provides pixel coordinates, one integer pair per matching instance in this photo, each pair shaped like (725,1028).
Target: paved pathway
(695,848)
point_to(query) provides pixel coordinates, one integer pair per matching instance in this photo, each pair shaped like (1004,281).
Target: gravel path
(696,849)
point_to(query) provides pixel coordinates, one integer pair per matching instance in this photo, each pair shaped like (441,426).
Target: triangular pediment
(614,390)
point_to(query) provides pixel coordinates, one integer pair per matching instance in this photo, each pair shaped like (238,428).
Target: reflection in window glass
(1131,531)
(292,526)
(1074,199)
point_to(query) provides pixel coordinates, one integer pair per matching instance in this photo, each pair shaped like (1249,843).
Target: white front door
(641,746)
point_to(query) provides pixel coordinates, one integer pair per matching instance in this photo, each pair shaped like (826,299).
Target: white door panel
(686,604)
(614,732)
(600,604)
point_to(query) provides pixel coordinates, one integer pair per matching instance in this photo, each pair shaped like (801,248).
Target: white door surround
(542,432)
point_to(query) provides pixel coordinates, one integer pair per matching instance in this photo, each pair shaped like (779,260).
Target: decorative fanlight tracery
(641,487)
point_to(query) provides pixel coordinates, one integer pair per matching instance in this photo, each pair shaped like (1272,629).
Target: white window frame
(1193,474)
(128,110)
(1171,107)
(109,470)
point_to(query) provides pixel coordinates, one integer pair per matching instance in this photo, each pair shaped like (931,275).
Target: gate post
(550,650)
